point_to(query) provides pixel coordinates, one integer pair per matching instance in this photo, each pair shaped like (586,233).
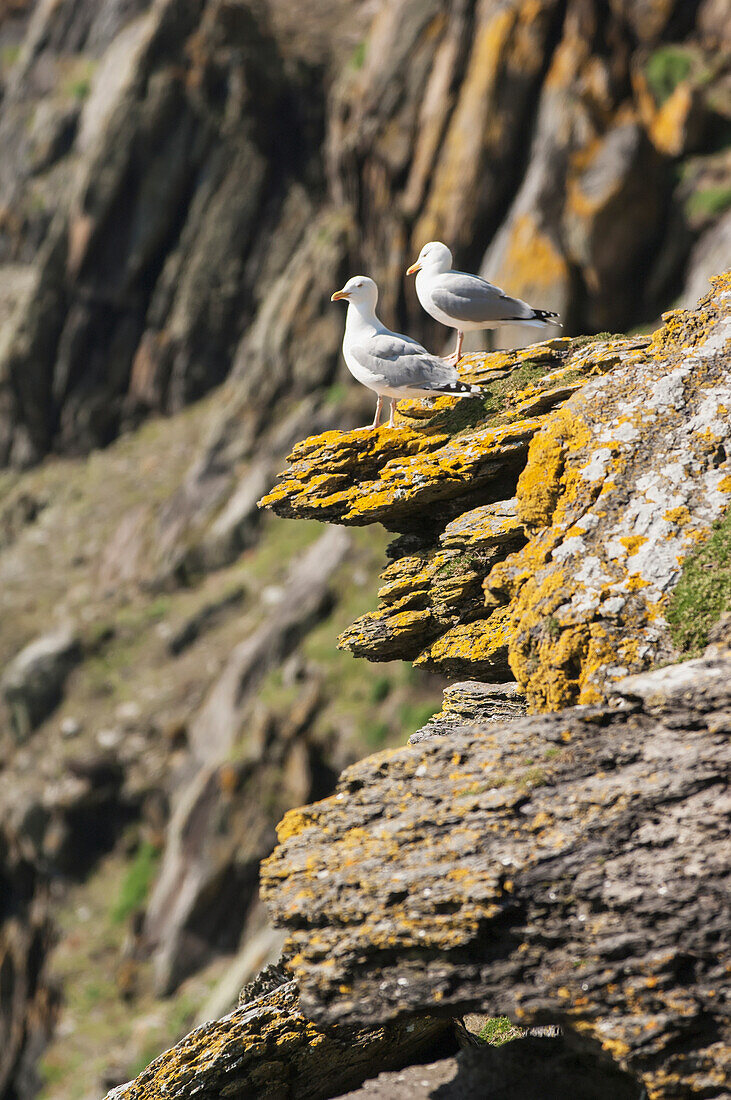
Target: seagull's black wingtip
(546,315)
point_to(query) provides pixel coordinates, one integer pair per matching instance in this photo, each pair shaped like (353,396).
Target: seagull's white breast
(359,372)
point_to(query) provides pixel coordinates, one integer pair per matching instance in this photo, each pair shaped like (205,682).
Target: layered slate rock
(446,480)
(29,1002)
(424,476)
(268,1049)
(472,701)
(569,868)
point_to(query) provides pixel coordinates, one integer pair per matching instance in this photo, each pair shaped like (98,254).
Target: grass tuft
(595,337)
(709,202)
(498,1031)
(666,68)
(136,885)
(703,592)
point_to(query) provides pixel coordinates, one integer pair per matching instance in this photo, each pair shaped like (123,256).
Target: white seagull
(386,362)
(466,302)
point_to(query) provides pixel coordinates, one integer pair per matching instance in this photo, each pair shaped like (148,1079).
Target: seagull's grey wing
(473,300)
(402,363)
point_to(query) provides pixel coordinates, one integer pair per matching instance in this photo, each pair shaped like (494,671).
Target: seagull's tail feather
(460,389)
(546,315)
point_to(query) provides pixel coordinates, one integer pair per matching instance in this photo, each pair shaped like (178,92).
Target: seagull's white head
(360,290)
(434,256)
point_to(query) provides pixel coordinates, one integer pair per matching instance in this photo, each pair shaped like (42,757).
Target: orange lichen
(533,264)
(669,125)
(576,605)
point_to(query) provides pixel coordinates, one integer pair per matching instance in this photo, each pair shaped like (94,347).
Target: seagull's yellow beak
(338,295)
(414,268)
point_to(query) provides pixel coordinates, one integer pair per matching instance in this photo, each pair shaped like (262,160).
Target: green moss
(498,1031)
(581,341)
(534,777)
(500,391)
(703,592)
(708,202)
(137,616)
(461,563)
(493,406)
(9,55)
(79,89)
(553,627)
(358,56)
(666,68)
(465,414)
(79,74)
(136,885)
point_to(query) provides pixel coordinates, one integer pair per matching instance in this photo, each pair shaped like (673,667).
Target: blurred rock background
(182,186)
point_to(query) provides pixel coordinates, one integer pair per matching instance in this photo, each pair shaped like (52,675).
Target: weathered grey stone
(524,1069)
(472,702)
(32,683)
(217,834)
(710,255)
(558,869)
(268,1049)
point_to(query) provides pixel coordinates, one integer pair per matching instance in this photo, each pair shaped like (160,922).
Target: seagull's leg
(457,353)
(391,418)
(377,416)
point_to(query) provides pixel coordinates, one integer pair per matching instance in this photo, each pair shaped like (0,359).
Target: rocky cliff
(181,187)
(547,532)
(562,868)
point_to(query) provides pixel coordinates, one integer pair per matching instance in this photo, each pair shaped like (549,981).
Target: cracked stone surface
(568,868)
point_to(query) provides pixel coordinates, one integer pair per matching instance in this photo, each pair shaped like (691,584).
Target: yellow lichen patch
(689,328)
(538,485)
(668,129)
(294,822)
(679,516)
(632,543)
(480,646)
(545,474)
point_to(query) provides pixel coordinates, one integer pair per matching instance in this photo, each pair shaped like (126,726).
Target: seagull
(386,362)
(464,301)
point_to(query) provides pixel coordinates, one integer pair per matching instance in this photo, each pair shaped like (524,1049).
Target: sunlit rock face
(182,186)
(540,541)
(542,866)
